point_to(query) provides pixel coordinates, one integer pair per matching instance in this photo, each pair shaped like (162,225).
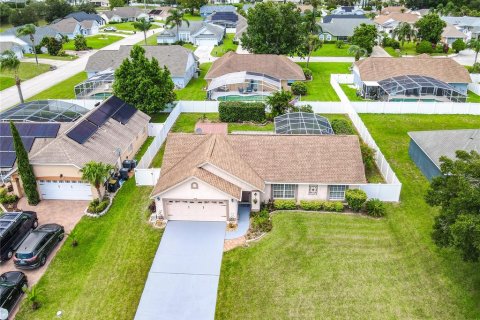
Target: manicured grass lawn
(191,17)
(331,50)
(195,88)
(159,117)
(125,26)
(473,97)
(319,89)
(47,56)
(143,148)
(226,46)
(158,159)
(102,278)
(27,70)
(62,90)
(409,48)
(351,93)
(189,46)
(95,42)
(151,40)
(5,26)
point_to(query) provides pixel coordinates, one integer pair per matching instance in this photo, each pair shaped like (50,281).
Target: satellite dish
(198,131)
(3,314)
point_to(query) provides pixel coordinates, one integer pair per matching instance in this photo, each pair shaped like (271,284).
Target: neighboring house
(348,10)
(256,75)
(394,9)
(181,62)
(242,26)
(68,27)
(426,147)
(450,34)
(220,2)
(13,46)
(389,22)
(330,17)
(470,26)
(160,13)
(206,177)
(100,3)
(82,16)
(340,29)
(228,20)
(89,27)
(207,10)
(10,35)
(197,33)
(124,14)
(423,78)
(248,6)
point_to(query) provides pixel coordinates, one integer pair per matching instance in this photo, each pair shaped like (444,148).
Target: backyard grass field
(319,88)
(62,90)
(27,70)
(95,42)
(47,56)
(351,93)
(226,46)
(333,266)
(102,278)
(194,89)
(331,50)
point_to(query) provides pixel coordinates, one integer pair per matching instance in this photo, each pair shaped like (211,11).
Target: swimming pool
(257,97)
(412,100)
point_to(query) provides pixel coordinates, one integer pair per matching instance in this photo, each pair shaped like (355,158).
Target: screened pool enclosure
(44,111)
(302,123)
(97,87)
(413,88)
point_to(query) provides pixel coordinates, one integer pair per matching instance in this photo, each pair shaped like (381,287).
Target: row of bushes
(237,111)
(427,47)
(97,206)
(6,198)
(310,205)
(357,201)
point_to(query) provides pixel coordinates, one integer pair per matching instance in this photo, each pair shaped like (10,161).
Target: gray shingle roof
(194,27)
(446,142)
(40,33)
(68,25)
(206,10)
(174,57)
(82,16)
(343,27)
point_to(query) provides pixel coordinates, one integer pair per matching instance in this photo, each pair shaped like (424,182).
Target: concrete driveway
(183,280)
(203,54)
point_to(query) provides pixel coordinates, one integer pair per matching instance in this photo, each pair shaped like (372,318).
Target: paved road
(9,97)
(183,280)
(379,52)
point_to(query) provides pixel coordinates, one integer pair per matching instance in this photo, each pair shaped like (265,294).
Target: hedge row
(309,205)
(237,111)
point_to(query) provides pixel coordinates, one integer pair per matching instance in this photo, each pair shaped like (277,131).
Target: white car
(112,29)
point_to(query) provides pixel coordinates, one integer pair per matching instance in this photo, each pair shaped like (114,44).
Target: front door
(246,196)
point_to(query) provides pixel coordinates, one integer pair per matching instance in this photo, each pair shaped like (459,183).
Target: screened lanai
(44,111)
(417,88)
(97,87)
(302,123)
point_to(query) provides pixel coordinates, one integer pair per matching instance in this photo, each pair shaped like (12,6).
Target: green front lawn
(191,17)
(68,57)
(409,48)
(62,90)
(226,46)
(124,26)
(27,70)
(195,88)
(102,278)
(331,50)
(151,40)
(95,42)
(319,89)
(473,97)
(189,46)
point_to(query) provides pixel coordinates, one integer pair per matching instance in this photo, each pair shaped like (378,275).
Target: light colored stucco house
(470,26)
(180,61)
(206,177)
(387,23)
(72,27)
(13,46)
(340,29)
(197,32)
(10,35)
(123,14)
(450,34)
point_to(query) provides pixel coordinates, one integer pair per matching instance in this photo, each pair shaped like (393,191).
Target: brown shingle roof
(276,66)
(400,17)
(450,31)
(444,69)
(257,159)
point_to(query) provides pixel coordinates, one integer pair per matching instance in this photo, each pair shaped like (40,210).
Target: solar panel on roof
(124,114)
(25,129)
(7,159)
(98,117)
(81,132)
(112,105)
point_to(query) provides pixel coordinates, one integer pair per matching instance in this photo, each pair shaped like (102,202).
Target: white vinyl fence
(474,87)
(154,129)
(416,107)
(475,77)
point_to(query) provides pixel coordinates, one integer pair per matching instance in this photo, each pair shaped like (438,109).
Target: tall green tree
(474,44)
(274,28)
(193,5)
(116,3)
(24,168)
(430,28)
(29,30)
(143,83)
(457,193)
(357,51)
(403,32)
(57,9)
(96,173)
(280,102)
(10,62)
(312,43)
(23,16)
(5,12)
(87,7)
(176,18)
(365,36)
(143,25)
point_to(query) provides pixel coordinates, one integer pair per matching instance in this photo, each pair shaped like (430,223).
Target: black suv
(12,284)
(14,227)
(34,250)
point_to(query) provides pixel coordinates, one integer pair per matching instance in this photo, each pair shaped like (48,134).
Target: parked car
(12,284)
(34,250)
(14,228)
(110,29)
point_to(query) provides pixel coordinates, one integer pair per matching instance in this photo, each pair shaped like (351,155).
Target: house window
(283,191)
(194,185)
(337,192)
(290,82)
(322,37)
(329,37)
(312,189)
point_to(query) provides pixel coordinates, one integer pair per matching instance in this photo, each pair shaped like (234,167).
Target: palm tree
(403,31)
(32,297)
(313,43)
(143,25)
(10,62)
(474,44)
(29,30)
(176,18)
(96,173)
(357,51)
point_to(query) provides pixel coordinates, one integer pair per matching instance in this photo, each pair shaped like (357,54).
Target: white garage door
(206,42)
(197,210)
(65,190)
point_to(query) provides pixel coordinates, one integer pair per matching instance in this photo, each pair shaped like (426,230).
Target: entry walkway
(183,280)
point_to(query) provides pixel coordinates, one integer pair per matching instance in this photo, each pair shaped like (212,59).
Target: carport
(183,280)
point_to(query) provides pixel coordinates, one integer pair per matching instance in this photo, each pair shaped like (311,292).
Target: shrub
(334,206)
(355,199)
(280,204)
(389,42)
(339,44)
(338,206)
(6,198)
(342,126)
(458,45)
(97,206)
(80,43)
(299,88)
(475,68)
(308,73)
(368,156)
(261,221)
(305,108)
(375,208)
(311,205)
(237,111)
(424,47)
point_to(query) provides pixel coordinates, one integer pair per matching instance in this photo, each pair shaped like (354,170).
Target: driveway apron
(183,280)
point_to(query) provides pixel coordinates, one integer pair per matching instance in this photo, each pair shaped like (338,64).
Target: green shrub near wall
(237,111)
(280,204)
(318,205)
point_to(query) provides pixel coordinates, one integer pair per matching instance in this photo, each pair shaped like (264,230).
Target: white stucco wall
(303,194)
